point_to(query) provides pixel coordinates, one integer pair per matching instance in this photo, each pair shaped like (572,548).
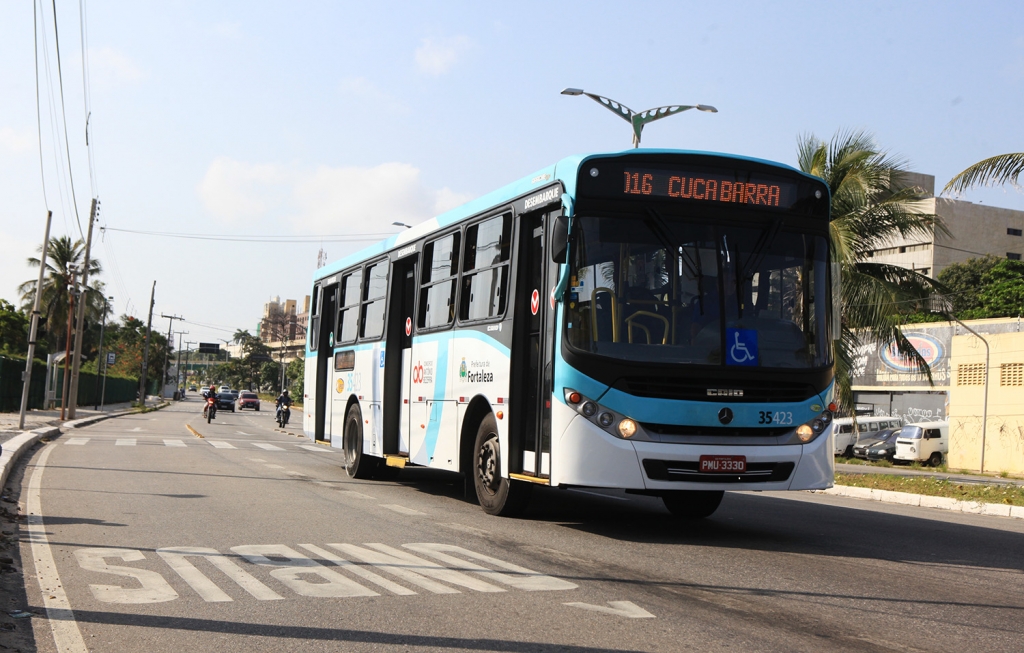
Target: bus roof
(564,171)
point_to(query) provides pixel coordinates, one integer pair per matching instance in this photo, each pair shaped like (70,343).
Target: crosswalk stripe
(268,447)
(77,441)
(125,442)
(221,445)
(174,443)
(309,447)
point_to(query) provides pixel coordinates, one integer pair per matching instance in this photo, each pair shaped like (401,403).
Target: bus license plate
(723,464)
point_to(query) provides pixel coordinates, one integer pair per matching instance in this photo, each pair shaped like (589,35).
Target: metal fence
(119,389)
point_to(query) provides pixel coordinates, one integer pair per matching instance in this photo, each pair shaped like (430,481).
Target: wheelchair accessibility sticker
(742,346)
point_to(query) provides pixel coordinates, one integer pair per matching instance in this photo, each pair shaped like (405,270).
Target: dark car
(248,400)
(881,446)
(225,401)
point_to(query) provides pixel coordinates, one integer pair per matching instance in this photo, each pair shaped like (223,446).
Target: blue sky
(341,118)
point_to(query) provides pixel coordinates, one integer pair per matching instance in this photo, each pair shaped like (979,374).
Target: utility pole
(76,363)
(178,366)
(72,289)
(27,378)
(167,354)
(188,349)
(145,351)
(99,358)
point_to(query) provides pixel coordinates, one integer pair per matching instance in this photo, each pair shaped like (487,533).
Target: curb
(926,501)
(19,444)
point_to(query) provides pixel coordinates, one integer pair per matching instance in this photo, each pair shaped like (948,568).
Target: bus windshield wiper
(663,232)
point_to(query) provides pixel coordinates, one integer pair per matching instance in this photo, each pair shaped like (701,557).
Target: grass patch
(936,487)
(885,463)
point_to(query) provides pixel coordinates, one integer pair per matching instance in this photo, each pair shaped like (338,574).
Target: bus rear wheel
(357,465)
(497,495)
(693,504)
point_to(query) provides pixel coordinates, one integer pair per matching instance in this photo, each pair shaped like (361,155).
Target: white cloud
(370,95)
(436,57)
(15,142)
(109,66)
(327,200)
(234,190)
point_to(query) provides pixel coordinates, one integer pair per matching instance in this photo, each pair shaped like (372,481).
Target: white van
(925,441)
(846,436)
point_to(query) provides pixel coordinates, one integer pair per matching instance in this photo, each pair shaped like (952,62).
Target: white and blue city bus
(655,321)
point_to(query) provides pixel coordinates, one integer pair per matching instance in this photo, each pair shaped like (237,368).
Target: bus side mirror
(559,239)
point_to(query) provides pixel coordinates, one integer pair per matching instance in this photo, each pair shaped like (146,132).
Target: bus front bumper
(586,455)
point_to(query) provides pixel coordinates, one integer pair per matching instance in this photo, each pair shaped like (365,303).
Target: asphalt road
(151,539)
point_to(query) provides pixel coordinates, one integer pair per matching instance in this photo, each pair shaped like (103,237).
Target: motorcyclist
(210,394)
(284,400)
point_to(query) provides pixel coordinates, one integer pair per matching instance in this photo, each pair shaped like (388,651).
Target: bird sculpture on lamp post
(639,119)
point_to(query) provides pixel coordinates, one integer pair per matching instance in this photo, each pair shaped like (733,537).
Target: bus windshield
(661,289)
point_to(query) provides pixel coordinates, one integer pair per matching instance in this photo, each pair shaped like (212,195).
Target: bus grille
(717,431)
(689,471)
(697,390)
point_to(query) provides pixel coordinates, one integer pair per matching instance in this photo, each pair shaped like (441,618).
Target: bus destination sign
(708,186)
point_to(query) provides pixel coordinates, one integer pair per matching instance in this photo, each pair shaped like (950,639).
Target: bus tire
(693,504)
(357,464)
(497,495)
(935,459)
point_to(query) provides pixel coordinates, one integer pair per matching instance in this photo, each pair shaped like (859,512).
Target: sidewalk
(980,479)
(35,419)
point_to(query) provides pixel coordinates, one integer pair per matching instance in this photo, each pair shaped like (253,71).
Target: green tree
(127,340)
(872,205)
(1001,293)
(996,170)
(296,373)
(62,257)
(14,325)
(963,282)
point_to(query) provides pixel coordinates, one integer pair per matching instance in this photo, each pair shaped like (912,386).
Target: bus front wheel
(357,465)
(693,504)
(497,495)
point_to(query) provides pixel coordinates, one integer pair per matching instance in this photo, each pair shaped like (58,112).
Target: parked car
(881,447)
(846,436)
(248,400)
(225,401)
(926,441)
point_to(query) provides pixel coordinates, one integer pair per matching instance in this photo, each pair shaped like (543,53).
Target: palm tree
(872,205)
(62,257)
(996,170)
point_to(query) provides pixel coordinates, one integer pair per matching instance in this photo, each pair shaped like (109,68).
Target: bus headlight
(605,418)
(627,428)
(804,432)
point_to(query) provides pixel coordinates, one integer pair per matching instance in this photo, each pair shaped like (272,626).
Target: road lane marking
(154,588)
(66,634)
(194,432)
(174,443)
(521,578)
(258,460)
(125,442)
(175,558)
(221,444)
(268,447)
(401,564)
(297,474)
(353,493)
(274,466)
(309,447)
(626,609)
(402,509)
(349,566)
(134,430)
(289,571)
(77,441)
(243,433)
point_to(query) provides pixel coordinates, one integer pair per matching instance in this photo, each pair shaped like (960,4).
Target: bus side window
(348,314)
(375,287)
(485,268)
(437,282)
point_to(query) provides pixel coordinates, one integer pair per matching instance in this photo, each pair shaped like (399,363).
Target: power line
(64,119)
(270,238)
(86,96)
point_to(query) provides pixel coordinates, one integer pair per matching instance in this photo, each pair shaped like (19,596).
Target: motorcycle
(283,413)
(210,410)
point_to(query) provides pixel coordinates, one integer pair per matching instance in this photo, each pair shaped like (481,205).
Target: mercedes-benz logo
(725,415)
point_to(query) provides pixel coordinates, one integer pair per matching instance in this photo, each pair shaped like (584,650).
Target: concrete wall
(1004,437)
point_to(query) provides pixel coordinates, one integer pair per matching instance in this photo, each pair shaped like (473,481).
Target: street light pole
(167,353)
(178,366)
(638,120)
(34,329)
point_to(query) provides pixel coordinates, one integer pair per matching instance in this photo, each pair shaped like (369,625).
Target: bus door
(398,366)
(532,347)
(324,328)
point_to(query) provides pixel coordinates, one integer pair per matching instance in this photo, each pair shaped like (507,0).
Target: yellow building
(1004,432)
